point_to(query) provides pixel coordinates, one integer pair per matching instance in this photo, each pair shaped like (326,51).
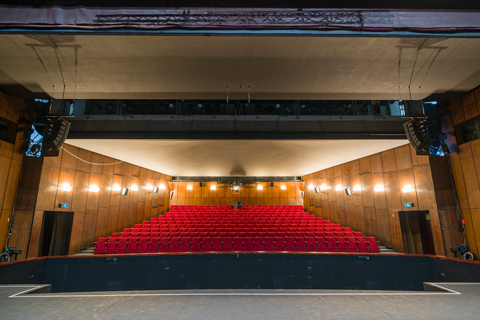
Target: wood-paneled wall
(466,166)
(10,162)
(97,214)
(224,196)
(375,213)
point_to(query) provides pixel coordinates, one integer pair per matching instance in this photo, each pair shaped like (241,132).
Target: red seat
(227,244)
(300,244)
(163,244)
(289,244)
(269,244)
(372,244)
(321,244)
(121,245)
(258,244)
(153,245)
(362,245)
(174,244)
(143,245)
(331,244)
(342,245)
(351,244)
(196,244)
(206,244)
(217,244)
(100,248)
(185,244)
(248,244)
(310,244)
(237,244)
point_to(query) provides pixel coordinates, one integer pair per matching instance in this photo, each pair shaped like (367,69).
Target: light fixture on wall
(66,187)
(259,187)
(116,187)
(348,191)
(149,187)
(93,188)
(124,191)
(323,187)
(318,189)
(379,188)
(155,189)
(134,187)
(283,187)
(338,187)
(190,187)
(311,186)
(357,187)
(213,187)
(162,186)
(407,188)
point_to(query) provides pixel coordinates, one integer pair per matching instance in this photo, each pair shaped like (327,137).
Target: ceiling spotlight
(310,187)
(116,187)
(134,187)
(36,148)
(155,189)
(283,187)
(94,188)
(357,187)
(338,187)
(260,187)
(124,191)
(171,105)
(277,106)
(162,186)
(149,187)
(323,187)
(66,187)
(200,105)
(318,189)
(379,188)
(407,188)
(348,191)
(303,106)
(190,187)
(213,187)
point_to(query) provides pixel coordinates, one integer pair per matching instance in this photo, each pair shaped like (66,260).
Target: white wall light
(323,187)
(357,187)
(283,187)
(162,186)
(134,187)
(338,187)
(189,187)
(260,187)
(310,187)
(116,187)
(407,188)
(93,188)
(379,188)
(213,187)
(66,187)
(149,187)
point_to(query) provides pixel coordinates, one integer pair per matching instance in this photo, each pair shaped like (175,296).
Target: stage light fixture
(200,105)
(318,189)
(277,106)
(171,105)
(323,187)
(213,187)
(190,187)
(93,188)
(134,187)
(338,187)
(125,191)
(357,187)
(303,106)
(259,187)
(348,191)
(310,187)
(379,188)
(283,187)
(149,187)
(116,187)
(66,187)
(407,188)
(155,189)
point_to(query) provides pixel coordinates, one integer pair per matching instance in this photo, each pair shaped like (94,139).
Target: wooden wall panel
(383,225)
(79,199)
(77,232)
(371,227)
(402,157)
(389,162)
(424,186)
(89,227)
(101,227)
(35,234)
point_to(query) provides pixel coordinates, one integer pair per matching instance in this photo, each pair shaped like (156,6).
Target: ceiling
(236,157)
(201,67)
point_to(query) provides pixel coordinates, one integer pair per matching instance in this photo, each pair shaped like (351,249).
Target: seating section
(220,228)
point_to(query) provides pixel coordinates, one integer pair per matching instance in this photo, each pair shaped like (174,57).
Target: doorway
(416,232)
(56,233)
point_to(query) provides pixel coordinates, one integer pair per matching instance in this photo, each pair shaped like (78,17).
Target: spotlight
(338,187)
(348,191)
(283,187)
(171,105)
(155,189)
(134,187)
(303,106)
(116,187)
(66,187)
(200,105)
(36,148)
(124,191)
(162,186)
(379,188)
(407,188)
(357,187)
(260,187)
(310,187)
(189,187)
(149,187)
(323,187)
(213,187)
(277,106)
(318,189)
(94,188)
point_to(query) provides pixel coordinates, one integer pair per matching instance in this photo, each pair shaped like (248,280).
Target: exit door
(416,232)
(56,232)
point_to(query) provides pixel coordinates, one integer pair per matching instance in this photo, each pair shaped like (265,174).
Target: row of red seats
(144,245)
(173,233)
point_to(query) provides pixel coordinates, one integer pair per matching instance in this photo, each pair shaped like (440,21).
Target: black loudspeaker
(56,133)
(171,195)
(271,183)
(416,132)
(201,184)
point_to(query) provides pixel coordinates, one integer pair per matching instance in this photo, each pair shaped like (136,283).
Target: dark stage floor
(460,303)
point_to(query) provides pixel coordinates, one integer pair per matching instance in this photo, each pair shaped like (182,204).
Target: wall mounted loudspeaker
(348,191)
(416,132)
(55,133)
(317,190)
(302,194)
(124,191)
(171,195)
(155,189)
(271,183)
(201,184)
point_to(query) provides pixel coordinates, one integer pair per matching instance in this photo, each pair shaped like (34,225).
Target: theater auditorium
(250,159)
